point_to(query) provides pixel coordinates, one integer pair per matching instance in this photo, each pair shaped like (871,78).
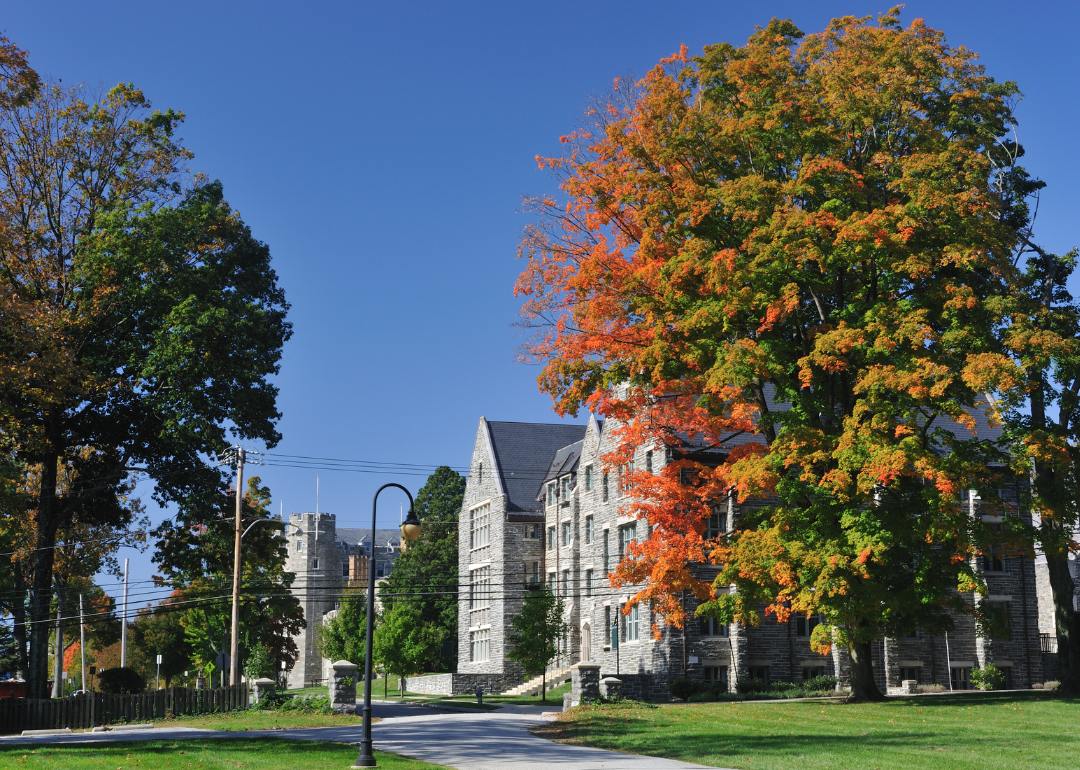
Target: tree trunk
(37,675)
(863,686)
(18,618)
(1065,622)
(543,686)
(58,654)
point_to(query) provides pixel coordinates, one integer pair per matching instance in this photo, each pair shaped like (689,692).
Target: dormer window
(566,488)
(552,490)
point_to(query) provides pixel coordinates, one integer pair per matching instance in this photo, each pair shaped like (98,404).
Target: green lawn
(252,754)
(261,720)
(939,732)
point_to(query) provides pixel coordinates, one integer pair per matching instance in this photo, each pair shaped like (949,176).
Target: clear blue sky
(382,149)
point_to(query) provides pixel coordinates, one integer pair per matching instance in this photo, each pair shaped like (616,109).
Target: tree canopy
(141,318)
(794,251)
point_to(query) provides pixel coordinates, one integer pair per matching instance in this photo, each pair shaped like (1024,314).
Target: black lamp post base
(366,758)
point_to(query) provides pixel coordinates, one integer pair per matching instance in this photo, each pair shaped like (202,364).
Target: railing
(1047,643)
(84,711)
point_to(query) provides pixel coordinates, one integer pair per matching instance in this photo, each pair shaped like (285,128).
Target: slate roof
(523,452)
(352,536)
(565,461)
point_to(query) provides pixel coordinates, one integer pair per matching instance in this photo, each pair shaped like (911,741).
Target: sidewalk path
(487,740)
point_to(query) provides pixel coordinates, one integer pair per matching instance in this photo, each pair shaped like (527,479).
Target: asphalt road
(484,740)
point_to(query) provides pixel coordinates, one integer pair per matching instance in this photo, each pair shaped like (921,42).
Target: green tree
(425,574)
(141,318)
(195,553)
(158,630)
(260,663)
(537,631)
(342,636)
(403,642)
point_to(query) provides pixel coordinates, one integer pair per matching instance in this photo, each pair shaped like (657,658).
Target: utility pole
(58,656)
(234,663)
(123,621)
(82,641)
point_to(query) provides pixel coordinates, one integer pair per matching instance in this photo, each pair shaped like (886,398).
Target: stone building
(324,561)
(529,476)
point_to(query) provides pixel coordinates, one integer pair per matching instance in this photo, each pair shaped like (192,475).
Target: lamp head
(410,528)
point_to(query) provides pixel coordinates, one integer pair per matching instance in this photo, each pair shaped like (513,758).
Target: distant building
(324,561)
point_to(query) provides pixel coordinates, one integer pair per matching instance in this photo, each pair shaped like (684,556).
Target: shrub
(1051,685)
(751,685)
(314,704)
(820,683)
(682,688)
(783,686)
(705,696)
(989,677)
(120,680)
(935,687)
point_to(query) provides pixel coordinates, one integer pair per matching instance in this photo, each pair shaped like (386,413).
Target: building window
(626,486)
(718,675)
(588,478)
(344,569)
(805,626)
(480,646)
(480,526)
(551,582)
(607,628)
(993,556)
(1004,630)
(809,672)
(961,678)
(566,582)
(911,672)
(566,533)
(589,526)
(588,582)
(480,588)
(713,627)
(566,488)
(481,474)
(759,672)
(299,545)
(627,533)
(532,531)
(314,563)
(716,525)
(535,579)
(629,624)
(604,487)
(380,569)
(648,461)
(607,551)
(551,538)
(551,493)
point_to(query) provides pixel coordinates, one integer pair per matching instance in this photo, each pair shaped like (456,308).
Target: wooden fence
(85,711)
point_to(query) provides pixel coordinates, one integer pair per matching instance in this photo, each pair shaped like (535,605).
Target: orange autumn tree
(791,253)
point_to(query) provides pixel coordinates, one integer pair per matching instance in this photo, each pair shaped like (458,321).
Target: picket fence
(85,711)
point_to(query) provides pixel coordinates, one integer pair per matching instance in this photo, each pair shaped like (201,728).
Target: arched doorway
(586,643)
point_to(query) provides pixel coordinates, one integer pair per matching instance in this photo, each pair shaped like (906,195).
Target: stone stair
(532,687)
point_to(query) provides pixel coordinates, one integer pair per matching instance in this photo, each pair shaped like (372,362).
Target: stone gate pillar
(584,683)
(342,686)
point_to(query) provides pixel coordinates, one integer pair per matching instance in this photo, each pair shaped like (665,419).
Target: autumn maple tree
(794,253)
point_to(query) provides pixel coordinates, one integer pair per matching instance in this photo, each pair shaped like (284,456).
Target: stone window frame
(711,628)
(623,541)
(566,534)
(604,488)
(590,529)
(480,588)
(588,582)
(480,645)
(629,625)
(805,626)
(552,539)
(588,478)
(299,546)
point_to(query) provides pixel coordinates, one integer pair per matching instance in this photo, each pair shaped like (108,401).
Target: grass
(250,754)
(260,720)
(988,731)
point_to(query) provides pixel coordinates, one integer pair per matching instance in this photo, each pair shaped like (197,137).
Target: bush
(783,686)
(705,696)
(751,685)
(1051,685)
(989,677)
(682,689)
(820,684)
(120,680)
(314,704)
(935,687)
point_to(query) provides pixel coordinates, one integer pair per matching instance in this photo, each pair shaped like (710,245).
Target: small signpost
(157,676)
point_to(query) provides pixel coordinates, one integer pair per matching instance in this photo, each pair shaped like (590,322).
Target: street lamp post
(410,530)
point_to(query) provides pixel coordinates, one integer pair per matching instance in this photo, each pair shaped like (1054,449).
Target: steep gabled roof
(354,536)
(565,461)
(523,452)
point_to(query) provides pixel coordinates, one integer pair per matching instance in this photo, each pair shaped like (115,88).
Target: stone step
(532,687)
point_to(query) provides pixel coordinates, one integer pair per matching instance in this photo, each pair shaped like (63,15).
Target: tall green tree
(141,318)
(537,631)
(343,635)
(159,630)
(425,574)
(195,554)
(403,642)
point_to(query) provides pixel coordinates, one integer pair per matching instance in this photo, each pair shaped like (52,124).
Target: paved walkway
(487,740)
